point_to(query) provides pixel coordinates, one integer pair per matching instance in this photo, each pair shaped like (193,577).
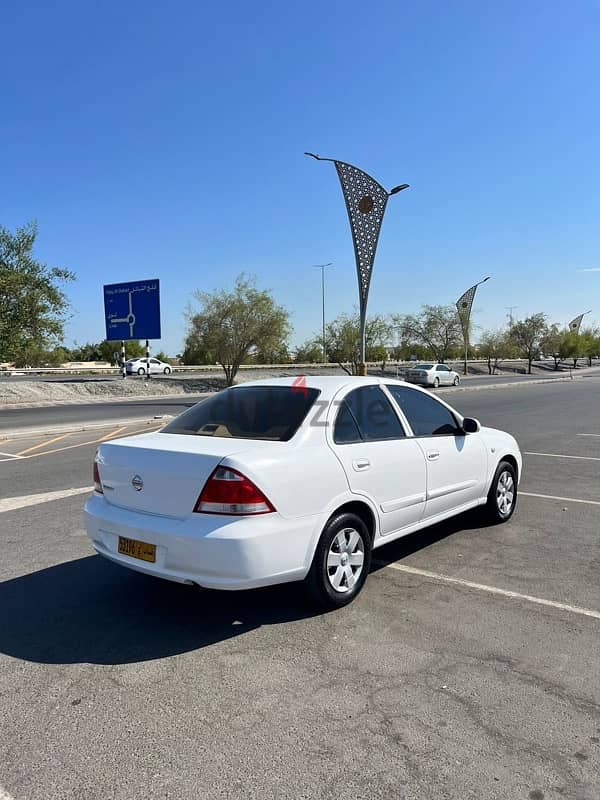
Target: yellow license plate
(135,549)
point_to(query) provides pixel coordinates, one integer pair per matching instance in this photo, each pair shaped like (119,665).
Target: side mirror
(470,425)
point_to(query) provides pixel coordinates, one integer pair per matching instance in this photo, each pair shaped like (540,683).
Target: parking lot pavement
(48,463)
(468,667)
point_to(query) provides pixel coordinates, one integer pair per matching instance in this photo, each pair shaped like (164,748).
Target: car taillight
(227,491)
(97,481)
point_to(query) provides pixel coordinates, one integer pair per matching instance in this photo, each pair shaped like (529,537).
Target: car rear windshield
(273,413)
(423,366)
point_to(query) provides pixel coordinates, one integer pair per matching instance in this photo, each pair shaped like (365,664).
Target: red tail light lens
(227,491)
(97,481)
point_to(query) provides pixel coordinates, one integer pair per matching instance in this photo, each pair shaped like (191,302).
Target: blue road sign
(132,310)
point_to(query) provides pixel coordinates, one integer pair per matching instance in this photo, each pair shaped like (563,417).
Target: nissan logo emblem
(137,483)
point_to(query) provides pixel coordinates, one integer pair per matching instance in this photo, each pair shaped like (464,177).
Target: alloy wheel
(505,493)
(345,560)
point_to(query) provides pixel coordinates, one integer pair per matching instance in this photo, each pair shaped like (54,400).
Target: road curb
(84,401)
(520,384)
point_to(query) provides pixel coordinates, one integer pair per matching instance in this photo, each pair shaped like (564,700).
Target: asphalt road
(115,685)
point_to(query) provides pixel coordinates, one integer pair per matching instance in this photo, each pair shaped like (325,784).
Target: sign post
(132,312)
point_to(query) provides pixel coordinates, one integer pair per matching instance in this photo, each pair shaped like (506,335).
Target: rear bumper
(422,381)
(212,551)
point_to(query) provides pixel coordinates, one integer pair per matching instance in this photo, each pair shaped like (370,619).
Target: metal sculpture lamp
(366,200)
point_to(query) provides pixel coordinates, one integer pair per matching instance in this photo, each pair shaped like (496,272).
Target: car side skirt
(428,522)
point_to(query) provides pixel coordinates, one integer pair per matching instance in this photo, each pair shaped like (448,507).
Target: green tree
(571,347)
(551,343)
(233,324)
(435,328)
(310,352)
(105,350)
(590,344)
(495,347)
(273,355)
(527,335)
(343,340)
(33,307)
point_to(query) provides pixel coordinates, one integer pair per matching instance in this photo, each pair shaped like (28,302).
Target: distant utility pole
(510,310)
(322,268)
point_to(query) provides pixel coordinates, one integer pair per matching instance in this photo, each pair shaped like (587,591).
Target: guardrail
(109,370)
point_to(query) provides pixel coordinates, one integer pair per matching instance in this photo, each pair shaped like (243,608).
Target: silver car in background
(432,375)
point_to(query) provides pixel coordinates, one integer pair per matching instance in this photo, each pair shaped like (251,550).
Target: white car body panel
(456,471)
(392,474)
(307,479)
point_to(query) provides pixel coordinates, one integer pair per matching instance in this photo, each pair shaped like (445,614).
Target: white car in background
(138,366)
(294,480)
(432,375)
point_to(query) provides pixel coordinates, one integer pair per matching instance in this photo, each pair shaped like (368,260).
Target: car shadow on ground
(91,611)
(414,542)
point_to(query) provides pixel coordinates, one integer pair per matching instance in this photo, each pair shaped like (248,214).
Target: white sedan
(139,366)
(432,375)
(285,480)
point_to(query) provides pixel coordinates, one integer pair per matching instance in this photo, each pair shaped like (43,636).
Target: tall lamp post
(366,201)
(464,304)
(322,268)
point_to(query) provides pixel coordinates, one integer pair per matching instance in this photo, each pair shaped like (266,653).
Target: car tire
(436,383)
(456,381)
(141,371)
(502,497)
(334,580)
(167,370)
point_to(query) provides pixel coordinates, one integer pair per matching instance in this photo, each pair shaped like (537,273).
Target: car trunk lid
(161,473)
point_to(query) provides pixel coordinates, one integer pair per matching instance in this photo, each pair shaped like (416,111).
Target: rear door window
(345,430)
(273,413)
(426,415)
(373,415)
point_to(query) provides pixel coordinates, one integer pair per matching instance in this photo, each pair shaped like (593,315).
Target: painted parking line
(42,444)
(10,456)
(113,433)
(562,499)
(588,434)
(561,455)
(482,587)
(13,503)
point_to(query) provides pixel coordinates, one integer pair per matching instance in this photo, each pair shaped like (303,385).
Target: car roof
(328,385)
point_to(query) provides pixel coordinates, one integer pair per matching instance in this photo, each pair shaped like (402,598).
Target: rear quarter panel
(299,481)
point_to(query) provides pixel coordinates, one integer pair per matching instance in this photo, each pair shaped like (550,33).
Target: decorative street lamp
(575,324)
(464,304)
(322,268)
(366,201)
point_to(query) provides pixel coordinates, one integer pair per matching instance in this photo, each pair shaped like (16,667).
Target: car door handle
(433,455)
(361,464)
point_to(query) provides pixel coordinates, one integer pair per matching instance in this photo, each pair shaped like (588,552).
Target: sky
(166,140)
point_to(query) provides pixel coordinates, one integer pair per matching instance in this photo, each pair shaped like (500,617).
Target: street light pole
(366,201)
(322,268)
(464,304)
